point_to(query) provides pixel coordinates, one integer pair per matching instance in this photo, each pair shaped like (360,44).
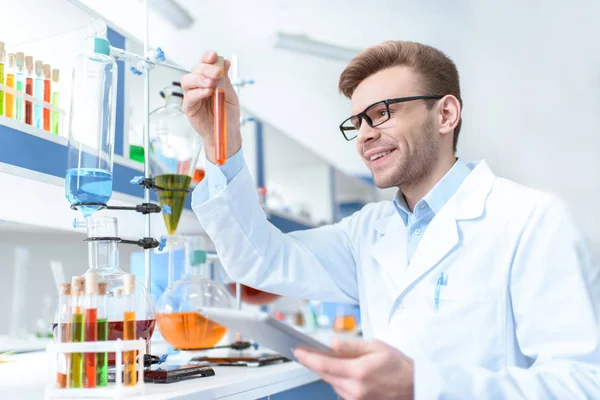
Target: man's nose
(366,133)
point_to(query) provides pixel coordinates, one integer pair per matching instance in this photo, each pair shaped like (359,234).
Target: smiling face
(402,150)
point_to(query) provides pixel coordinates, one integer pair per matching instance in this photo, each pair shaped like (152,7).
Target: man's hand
(198,106)
(363,370)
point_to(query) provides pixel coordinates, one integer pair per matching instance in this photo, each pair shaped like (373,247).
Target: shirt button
(422,206)
(418,231)
(219,187)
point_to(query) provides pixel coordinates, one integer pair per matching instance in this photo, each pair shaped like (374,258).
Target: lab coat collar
(441,236)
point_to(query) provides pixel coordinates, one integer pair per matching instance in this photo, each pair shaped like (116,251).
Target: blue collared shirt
(418,221)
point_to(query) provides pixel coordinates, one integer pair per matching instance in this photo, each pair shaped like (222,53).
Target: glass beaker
(177,310)
(92,124)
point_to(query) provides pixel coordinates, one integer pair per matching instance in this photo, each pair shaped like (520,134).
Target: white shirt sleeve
(317,263)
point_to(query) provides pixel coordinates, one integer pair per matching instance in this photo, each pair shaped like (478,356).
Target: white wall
(44,245)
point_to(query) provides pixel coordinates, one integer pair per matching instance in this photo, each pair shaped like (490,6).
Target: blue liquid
(88,185)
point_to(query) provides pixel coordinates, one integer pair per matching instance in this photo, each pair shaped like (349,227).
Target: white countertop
(24,377)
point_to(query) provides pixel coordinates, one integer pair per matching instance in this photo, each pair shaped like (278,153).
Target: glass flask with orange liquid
(344,321)
(177,316)
(103,259)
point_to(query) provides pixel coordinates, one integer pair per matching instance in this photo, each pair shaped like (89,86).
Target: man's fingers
(193,97)
(209,57)
(194,81)
(353,348)
(207,70)
(324,364)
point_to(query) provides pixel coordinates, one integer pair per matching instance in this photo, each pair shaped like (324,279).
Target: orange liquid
(29,104)
(220,122)
(345,323)
(61,380)
(9,99)
(91,335)
(189,330)
(47,94)
(129,373)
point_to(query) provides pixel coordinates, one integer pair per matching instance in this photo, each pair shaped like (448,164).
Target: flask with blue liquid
(88,181)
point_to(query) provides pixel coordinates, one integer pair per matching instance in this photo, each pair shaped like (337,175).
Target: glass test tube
(102,358)
(55,127)
(29,89)
(20,86)
(129,369)
(220,117)
(47,93)
(77,331)
(38,88)
(62,334)
(9,98)
(91,326)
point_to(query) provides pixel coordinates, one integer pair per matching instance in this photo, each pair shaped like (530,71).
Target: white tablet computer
(264,329)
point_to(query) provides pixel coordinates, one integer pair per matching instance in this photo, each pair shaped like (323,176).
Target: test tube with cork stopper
(220,116)
(91,329)
(129,364)
(77,331)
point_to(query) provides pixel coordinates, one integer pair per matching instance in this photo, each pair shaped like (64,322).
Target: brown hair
(438,72)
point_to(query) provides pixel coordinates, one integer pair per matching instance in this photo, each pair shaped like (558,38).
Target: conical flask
(177,310)
(174,150)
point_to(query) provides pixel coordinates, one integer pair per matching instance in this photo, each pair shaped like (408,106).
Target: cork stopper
(65,289)
(77,283)
(55,75)
(39,66)
(29,64)
(20,59)
(91,283)
(221,64)
(47,71)
(102,288)
(1,47)
(11,60)
(118,293)
(128,284)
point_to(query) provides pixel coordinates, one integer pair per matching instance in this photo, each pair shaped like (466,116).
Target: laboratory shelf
(33,163)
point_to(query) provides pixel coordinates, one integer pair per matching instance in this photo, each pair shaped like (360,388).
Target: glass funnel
(177,316)
(174,150)
(103,259)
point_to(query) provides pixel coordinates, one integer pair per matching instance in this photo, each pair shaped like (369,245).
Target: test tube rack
(116,390)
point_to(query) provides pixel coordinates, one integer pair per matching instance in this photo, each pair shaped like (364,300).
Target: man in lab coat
(469,285)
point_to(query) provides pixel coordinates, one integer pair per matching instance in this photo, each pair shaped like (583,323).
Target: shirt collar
(438,196)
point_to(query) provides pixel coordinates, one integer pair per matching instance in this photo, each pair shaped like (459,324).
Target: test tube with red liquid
(220,116)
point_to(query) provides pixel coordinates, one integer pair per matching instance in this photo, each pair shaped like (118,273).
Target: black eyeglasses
(376,114)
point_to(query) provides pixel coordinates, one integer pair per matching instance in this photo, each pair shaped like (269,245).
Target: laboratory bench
(24,376)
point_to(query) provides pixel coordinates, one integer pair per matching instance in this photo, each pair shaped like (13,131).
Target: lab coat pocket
(467,324)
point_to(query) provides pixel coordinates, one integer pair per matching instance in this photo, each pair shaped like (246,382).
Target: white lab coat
(518,317)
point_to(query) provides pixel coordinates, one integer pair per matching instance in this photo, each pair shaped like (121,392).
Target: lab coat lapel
(441,236)
(390,249)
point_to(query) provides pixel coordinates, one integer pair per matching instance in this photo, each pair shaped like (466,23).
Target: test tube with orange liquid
(220,116)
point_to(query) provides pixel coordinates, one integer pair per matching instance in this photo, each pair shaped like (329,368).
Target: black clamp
(148,183)
(145,243)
